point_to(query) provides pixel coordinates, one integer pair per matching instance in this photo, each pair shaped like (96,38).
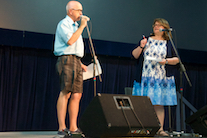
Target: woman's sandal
(162,133)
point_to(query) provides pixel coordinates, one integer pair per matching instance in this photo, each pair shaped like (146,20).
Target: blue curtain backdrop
(29,86)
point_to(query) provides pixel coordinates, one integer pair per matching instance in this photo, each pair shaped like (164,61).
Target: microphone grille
(160,30)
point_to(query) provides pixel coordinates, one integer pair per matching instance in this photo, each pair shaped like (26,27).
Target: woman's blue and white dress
(160,89)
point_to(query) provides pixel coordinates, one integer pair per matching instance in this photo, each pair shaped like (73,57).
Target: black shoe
(162,133)
(64,132)
(78,132)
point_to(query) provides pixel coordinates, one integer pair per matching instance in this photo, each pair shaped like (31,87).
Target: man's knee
(65,95)
(76,96)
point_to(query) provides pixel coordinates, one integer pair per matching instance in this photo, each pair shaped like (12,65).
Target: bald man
(69,48)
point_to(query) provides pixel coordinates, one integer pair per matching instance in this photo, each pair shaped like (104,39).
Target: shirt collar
(71,21)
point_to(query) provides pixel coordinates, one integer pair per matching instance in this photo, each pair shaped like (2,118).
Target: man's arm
(78,32)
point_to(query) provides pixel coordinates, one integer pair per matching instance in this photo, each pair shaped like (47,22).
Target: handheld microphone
(83,16)
(170,29)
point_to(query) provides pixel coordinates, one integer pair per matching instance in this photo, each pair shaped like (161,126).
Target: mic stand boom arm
(181,64)
(95,60)
(182,70)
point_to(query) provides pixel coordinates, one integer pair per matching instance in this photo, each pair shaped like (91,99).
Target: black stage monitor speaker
(198,121)
(119,115)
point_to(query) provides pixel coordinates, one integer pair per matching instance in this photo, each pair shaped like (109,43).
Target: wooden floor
(53,134)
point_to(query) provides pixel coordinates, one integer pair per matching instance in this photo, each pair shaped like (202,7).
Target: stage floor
(29,134)
(50,134)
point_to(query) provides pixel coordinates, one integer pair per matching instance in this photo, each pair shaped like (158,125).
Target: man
(70,49)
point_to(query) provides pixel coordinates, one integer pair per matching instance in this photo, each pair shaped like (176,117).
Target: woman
(153,53)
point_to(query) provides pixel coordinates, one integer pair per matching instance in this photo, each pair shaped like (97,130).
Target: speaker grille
(111,115)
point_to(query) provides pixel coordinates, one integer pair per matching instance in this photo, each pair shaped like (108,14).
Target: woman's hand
(163,62)
(143,42)
(171,61)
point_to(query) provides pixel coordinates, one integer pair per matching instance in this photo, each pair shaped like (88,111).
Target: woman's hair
(165,24)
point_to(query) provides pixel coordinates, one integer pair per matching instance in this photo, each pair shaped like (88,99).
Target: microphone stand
(182,70)
(95,66)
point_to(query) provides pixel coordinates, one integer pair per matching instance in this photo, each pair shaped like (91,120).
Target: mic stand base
(74,136)
(182,134)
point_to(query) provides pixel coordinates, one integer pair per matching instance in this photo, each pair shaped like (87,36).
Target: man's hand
(84,67)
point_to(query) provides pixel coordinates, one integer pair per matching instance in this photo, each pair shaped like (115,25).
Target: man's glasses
(79,10)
